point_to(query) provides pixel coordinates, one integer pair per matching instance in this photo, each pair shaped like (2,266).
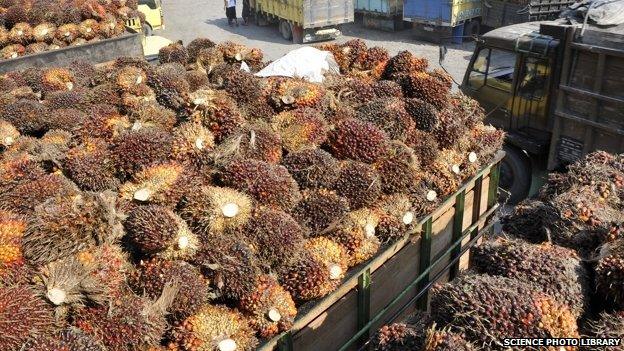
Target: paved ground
(189,19)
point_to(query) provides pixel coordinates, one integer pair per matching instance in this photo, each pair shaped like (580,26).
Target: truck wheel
(285,29)
(472,28)
(147,29)
(515,175)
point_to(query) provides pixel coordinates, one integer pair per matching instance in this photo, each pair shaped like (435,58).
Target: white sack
(307,62)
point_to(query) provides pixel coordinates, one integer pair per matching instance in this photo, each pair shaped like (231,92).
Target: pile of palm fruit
(34,26)
(193,206)
(557,270)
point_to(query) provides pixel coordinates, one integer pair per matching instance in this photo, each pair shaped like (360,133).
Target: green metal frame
(426,265)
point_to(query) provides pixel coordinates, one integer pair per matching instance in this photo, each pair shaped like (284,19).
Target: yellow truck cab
(152,9)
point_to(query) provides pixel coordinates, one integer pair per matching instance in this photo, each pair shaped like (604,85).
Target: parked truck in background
(557,89)
(304,21)
(380,14)
(154,18)
(501,13)
(443,20)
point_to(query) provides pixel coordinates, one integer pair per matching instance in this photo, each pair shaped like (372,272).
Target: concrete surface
(188,19)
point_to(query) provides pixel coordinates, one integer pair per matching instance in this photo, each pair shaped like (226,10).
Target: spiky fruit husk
(66,225)
(301,129)
(19,169)
(23,199)
(349,91)
(488,309)
(333,255)
(105,93)
(163,184)
(357,140)
(26,115)
(533,221)
(398,337)
(485,142)
(268,184)
(128,323)
(557,271)
(15,14)
(212,324)
(152,276)
(307,278)
(387,89)
(270,308)
(404,63)
(257,141)
(65,100)
(426,87)
(399,169)
(36,48)
(129,78)
(319,208)
(215,210)
(196,46)
(388,115)
(371,63)
(276,236)
(192,144)
(68,339)
(312,168)
(23,316)
(230,262)
(608,325)
(446,340)
(174,52)
(91,166)
(610,275)
(359,183)
(243,86)
(197,79)
(356,232)
(8,133)
(291,93)
(424,114)
(169,84)
(156,230)
(217,111)
(57,79)
(137,150)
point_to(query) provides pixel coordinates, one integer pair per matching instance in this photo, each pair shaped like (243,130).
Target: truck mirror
(443,51)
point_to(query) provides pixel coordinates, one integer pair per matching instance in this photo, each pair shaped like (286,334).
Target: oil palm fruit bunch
(307,278)
(24,316)
(70,338)
(398,337)
(215,210)
(150,114)
(254,141)
(557,271)
(174,52)
(359,182)
(128,322)
(25,197)
(170,86)
(19,169)
(91,166)
(319,208)
(424,114)
(215,327)
(312,168)
(290,93)
(193,144)
(12,228)
(610,274)
(371,63)
(153,275)
(44,32)
(230,262)
(26,115)
(269,307)
(404,63)
(162,184)
(424,145)
(136,150)
(399,169)
(301,129)
(608,325)
(387,89)
(330,253)
(533,221)
(158,231)
(196,46)
(396,216)
(488,309)
(424,86)
(21,33)
(66,225)
(358,140)
(268,184)
(217,111)
(390,115)
(356,232)
(8,134)
(109,265)
(275,235)
(446,340)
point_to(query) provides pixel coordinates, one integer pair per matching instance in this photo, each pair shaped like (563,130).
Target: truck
(443,20)
(154,19)
(304,21)
(557,89)
(501,13)
(380,14)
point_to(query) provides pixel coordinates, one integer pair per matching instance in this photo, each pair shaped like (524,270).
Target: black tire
(472,29)
(147,29)
(285,29)
(515,176)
